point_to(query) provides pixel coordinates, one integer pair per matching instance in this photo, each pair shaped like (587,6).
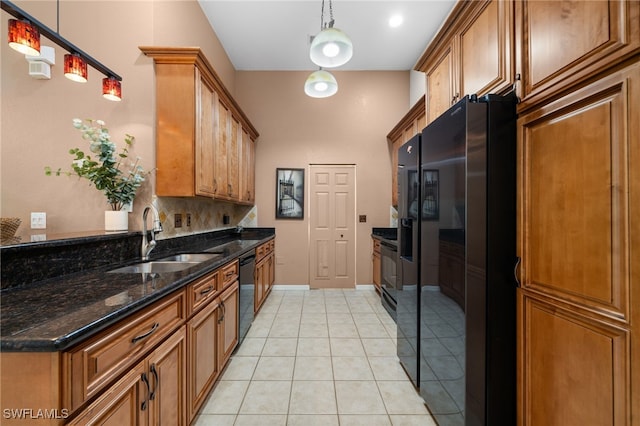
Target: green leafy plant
(110,172)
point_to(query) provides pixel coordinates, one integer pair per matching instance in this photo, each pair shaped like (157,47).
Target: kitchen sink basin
(173,263)
(190,257)
(154,266)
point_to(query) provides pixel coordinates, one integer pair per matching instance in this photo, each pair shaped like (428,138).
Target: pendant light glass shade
(24,37)
(75,68)
(321,84)
(111,89)
(331,48)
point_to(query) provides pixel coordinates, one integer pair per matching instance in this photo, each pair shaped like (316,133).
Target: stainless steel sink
(154,266)
(190,257)
(173,263)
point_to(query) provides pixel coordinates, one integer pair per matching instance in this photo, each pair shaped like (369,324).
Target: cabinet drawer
(97,362)
(265,249)
(229,273)
(202,291)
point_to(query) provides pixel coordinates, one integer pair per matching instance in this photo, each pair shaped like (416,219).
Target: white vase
(116,220)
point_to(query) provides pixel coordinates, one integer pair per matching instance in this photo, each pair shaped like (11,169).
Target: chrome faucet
(147,245)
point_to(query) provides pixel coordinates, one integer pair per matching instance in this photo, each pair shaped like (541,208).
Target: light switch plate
(38,220)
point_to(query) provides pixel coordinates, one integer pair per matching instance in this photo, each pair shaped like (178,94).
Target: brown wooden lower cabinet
(152,393)
(579,239)
(155,367)
(264,273)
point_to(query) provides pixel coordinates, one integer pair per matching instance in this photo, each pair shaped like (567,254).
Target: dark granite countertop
(387,235)
(57,313)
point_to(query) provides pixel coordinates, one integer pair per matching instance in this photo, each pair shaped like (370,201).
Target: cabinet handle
(224,311)
(144,379)
(455,98)
(147,334)
(206,290)
(152,395)
(229,274)
(515,271)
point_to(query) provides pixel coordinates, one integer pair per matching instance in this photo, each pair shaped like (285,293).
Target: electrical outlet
(188,219)
(363,218)
(178,220)
(38,220)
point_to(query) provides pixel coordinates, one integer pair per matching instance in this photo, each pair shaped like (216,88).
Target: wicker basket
(8,227)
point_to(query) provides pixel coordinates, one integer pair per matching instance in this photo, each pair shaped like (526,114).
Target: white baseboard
(290,287)
(365,287)
(306,287)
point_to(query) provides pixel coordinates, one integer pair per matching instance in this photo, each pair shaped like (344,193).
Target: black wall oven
(388,276)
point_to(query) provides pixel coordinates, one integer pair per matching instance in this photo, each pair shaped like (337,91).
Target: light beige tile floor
(316,357)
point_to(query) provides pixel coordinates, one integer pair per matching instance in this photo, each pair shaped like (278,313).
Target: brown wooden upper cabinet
(473,54)
(566,43)
(205,144)
(410,125)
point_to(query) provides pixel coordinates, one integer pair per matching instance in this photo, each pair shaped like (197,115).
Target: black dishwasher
(247,293)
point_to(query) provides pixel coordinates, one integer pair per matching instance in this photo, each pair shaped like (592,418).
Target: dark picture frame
(289,193)
(430,195)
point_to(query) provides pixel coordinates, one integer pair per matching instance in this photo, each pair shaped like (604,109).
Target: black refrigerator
(408,257)
(466,300)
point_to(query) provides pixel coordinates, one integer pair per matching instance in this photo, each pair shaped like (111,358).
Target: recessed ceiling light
(395,21)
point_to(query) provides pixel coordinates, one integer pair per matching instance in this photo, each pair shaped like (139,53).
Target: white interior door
(332,226)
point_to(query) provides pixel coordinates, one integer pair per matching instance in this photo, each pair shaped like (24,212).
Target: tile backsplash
(206,215)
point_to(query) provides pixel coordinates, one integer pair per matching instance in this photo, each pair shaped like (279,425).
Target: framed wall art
(289,193)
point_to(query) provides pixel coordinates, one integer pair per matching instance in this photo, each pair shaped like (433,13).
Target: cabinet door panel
(228,338)
(120,405)
(575,159)
(202,335)
(441,85)
(222,148)
(576,360)
(235,138)
(565,41)
(167,377)
(247,169)
(486,51)
(205,148)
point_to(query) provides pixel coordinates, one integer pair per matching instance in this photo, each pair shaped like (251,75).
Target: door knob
(341,235)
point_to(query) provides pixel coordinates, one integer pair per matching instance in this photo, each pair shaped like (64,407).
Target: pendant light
(111,89)
(321,84)
(24,37)
(331,47)
(75,68)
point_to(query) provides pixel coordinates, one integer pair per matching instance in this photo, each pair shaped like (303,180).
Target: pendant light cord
(323,25)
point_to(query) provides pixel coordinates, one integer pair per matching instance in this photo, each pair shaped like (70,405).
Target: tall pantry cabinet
(575,66)
(579,210)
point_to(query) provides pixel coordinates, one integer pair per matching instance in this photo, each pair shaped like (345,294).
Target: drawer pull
(152,396)
(229,274)
(206,290)
(143,376)
(147,334)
